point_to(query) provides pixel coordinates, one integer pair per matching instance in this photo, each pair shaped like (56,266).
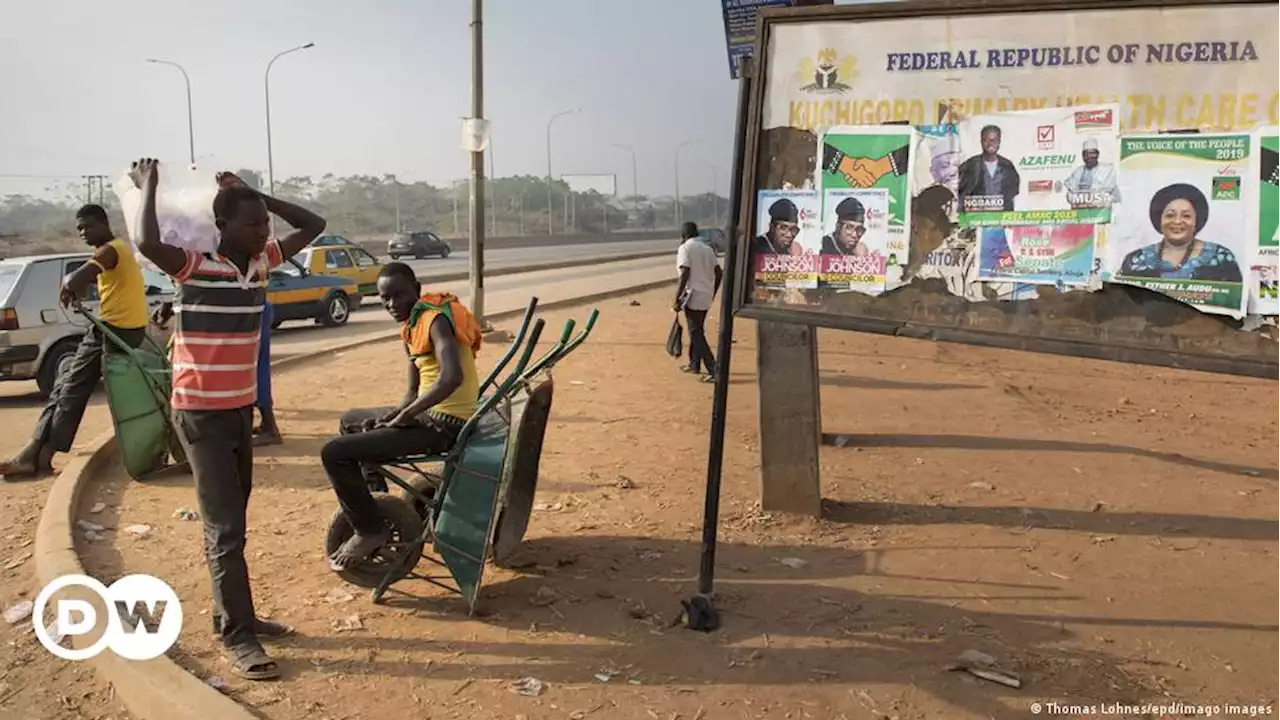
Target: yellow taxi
(335,256)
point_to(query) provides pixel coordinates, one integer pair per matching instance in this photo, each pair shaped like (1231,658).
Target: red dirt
(1107,531)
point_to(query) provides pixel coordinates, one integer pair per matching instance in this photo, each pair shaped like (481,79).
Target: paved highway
(502,293)
(460,260)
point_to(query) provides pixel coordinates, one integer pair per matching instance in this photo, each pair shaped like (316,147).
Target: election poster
(1040,167)
(785,248)
(1060,255)
(866,158)
(855,241)
(1185,227)
(1269,194)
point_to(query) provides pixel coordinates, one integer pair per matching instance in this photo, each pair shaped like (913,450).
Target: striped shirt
(215,345)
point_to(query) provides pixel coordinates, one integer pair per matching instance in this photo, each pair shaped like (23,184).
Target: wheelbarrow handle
(515,346)
(582,336)
(554,353)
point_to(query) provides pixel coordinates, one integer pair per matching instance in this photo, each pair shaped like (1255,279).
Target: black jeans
(60,420)
(219,446)
(354,447)
(699,349)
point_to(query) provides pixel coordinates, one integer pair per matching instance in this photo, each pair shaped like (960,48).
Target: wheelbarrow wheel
(427,484)
(405,526)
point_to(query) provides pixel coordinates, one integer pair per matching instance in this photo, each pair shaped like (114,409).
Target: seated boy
(441,338)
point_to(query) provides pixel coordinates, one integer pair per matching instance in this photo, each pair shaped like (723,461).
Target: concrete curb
(539,267)
(160,689)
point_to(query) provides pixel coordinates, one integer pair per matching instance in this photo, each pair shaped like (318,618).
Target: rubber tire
(326,315)
(47,377)
(395,257)
(445,253)
(426,483)
(403,521)
(419,256)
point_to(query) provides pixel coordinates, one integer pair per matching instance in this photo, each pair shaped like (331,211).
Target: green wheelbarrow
(477,507)
(138,381)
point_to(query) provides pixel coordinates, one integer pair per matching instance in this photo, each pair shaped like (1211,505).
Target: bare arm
(104,258)
(445,346)
(170,259)
(719,278)
(307,225)
(411,393)
(684,282)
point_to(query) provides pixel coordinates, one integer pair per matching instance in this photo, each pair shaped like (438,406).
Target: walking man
(215,360)
(122,308)
(700,277)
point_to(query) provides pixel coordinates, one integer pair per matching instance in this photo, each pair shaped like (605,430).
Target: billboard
(1008,160)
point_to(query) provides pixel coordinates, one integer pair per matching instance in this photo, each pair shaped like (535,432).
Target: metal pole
(399,226)
(679,209)
(550,223)
(191,132)
(635,190)
(720,399)
(266,84)
(477,163)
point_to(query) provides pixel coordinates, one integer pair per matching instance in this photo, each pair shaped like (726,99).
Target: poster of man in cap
(855,241)
(1062,160)
(785,250)
(1189,218)
(865,172)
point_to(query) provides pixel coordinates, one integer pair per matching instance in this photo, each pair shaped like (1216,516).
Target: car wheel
(444,253)
(55,362)
(394,256)
(336,310)
(419,256)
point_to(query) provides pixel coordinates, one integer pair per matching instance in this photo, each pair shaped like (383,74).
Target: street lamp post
(191,131)
(550,214)
(635,191)
(680,210)
(266,83)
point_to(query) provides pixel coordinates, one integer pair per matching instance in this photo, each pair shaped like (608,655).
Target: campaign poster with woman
(1186,224)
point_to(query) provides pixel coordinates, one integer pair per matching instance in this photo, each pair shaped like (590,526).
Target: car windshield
(290,268)
(8,278)
(402,238)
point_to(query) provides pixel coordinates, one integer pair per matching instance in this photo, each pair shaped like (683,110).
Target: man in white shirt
(700,277)
(1093,183)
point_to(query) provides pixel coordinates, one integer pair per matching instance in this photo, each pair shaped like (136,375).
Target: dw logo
(143,618)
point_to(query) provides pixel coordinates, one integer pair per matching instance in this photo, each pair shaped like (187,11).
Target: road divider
(560,265)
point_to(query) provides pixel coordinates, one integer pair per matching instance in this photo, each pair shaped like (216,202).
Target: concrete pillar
(790,422)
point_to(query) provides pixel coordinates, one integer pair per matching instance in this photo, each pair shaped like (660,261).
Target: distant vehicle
(418,244)
(38,336)
(716,238)
(350,262)
(296,294)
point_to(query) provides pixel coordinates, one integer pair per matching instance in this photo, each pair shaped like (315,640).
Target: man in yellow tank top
(441,338)
(122,307)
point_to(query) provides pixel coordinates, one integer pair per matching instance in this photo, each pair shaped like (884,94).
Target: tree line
(369,206)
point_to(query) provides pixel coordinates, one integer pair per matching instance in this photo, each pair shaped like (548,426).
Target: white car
(37,335)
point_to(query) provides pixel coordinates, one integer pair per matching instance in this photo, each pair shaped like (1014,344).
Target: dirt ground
(1108,532)
(35,685)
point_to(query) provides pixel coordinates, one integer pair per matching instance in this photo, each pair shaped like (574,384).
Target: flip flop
(689,370)
(252,663)
(357,550)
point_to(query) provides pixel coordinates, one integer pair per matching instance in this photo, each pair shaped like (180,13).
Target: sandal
(264,629)
(356,550)
(688,369)
(252,663)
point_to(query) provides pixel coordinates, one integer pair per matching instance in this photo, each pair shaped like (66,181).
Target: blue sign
(740,28)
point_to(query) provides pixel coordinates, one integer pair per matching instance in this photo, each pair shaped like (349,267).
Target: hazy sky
(381,92)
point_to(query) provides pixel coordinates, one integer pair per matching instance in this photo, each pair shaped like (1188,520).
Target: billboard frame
(769,19)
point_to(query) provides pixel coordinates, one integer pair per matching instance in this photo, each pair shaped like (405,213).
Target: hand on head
(229,179)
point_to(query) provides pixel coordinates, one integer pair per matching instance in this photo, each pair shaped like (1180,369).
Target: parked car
(297,294)
(716,238)
(419,244)
(37,335)
(344,261)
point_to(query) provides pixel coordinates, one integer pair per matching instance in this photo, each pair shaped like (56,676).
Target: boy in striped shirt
(215,358)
